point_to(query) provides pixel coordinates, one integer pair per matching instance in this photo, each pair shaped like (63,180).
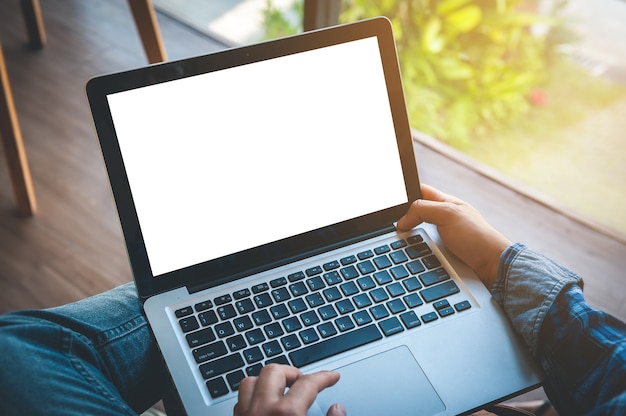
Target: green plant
(276,24)
(468,65)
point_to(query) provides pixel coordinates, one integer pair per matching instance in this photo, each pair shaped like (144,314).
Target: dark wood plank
(73,247)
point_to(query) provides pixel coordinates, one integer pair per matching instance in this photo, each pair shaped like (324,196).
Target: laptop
(257,190)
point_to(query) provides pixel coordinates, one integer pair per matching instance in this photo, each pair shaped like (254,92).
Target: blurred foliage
(468,66)
(276,22)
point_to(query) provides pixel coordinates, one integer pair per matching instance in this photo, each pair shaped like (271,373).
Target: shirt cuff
(527,285)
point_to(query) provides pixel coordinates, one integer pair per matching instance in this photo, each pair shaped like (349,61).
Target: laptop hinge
(193,288)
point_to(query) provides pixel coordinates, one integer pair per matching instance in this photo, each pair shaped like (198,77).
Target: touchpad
(389,383)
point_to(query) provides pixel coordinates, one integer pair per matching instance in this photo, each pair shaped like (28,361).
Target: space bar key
(336,345)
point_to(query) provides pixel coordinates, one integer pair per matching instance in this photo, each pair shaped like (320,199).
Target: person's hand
(265,395)
(462,229)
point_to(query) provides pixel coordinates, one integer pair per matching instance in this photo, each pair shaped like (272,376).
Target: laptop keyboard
(317,313)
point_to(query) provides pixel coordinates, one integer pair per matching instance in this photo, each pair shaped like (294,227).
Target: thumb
(337,409)
(422,210)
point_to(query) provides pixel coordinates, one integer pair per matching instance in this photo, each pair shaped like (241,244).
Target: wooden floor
(73,247)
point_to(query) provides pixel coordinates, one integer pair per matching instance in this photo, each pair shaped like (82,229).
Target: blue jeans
(92,357)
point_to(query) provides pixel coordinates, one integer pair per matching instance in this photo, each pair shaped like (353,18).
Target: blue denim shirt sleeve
(527,286)
(582,350)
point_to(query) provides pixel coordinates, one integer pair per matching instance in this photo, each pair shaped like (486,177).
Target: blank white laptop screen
(230,160)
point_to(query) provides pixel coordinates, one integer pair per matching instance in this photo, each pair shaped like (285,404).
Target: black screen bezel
(228,268)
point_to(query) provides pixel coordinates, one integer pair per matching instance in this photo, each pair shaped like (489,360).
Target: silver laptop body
(257,189)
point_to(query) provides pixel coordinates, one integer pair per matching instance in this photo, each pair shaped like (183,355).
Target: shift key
(440,291)
(221,366)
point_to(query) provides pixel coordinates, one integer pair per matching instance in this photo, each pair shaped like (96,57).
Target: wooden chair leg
(31,11)
(14,147)
(148,28)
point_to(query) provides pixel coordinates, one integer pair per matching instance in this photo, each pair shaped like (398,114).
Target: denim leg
(92,357)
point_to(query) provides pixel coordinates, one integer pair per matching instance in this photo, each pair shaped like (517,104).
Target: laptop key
(262,300)
(298,289)
(348,260)
(461,306)
(398,257)
(203,306)
(429,317)
(240,294)
(415,267)
(226,312)
(396,306)
(361,318)
(261,317)
(224,329)
(221,366)
(315,299)
(208,318)
(281,294)
(333,346)
(365,254)
(366,267)
(220,300)
(254,370)
(446,311)
(331,265)
(281,359)
(261,287)
(382,262)
(236,343)
(234,379)
(253,355)
(442,290)
(183,312)
(398,244)
(344,323)
(290,342)
(435,276)
(313,271)
(382,250)
(294,277)
(411,284)
(327,329)
(391,326)
(309,335)
(217,387)
(327,312)
(281,281)
(349,272)
(431,262)
(292,324)
(413,300)
(273,330)
(195,339)
(209,352)
(272,348)
(383,277)
(379,312)
(279,311)
(189,324)
(410,319)
(255,336)
(244,306)
(414,239)
(315,283)
(332,278)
